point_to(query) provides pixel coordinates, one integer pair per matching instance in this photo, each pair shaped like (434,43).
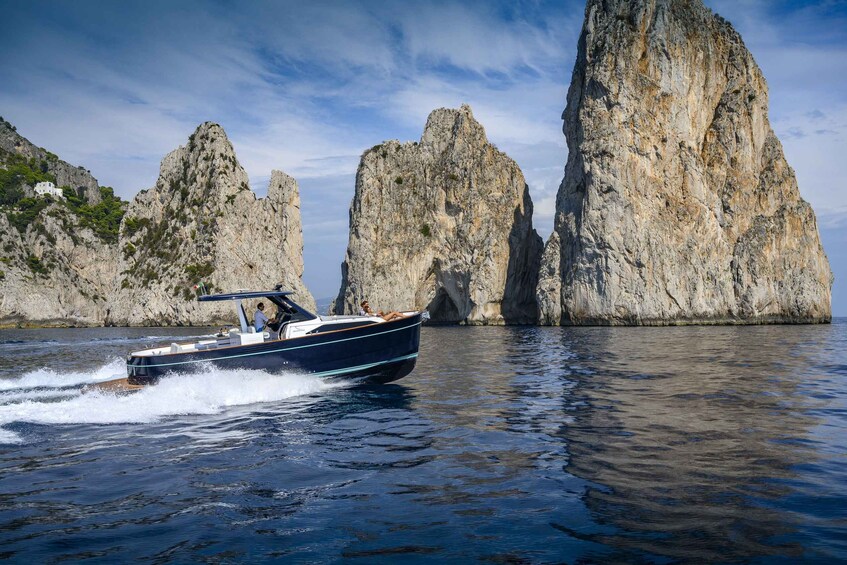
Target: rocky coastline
(677,207)
(63,265)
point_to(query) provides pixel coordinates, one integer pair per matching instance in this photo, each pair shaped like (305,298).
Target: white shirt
(259,320)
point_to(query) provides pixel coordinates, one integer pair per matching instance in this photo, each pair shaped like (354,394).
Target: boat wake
(32,344)
(47,378)
(47,397)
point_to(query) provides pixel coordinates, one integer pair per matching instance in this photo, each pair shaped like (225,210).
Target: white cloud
(474,38)
(341,35)
(817,156)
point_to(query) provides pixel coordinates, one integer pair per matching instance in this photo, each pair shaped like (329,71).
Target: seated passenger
(259,318)
(366,311)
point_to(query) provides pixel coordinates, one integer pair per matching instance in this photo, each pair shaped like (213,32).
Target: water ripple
(657,445)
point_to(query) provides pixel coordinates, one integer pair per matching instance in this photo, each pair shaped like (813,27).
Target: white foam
(37,394)
(95,341)
(47,378)
(210,391)
(9,437)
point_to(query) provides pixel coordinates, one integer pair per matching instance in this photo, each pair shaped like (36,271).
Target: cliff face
(58,257)
(65,174)
(444,224)
(55,272)
(202,223)
(677,204)
(74,261)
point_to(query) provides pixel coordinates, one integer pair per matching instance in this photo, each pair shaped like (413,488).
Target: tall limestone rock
(444,224)
(202,223)
(677,204)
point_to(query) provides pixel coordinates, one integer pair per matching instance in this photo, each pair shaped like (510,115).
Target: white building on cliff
(44,188)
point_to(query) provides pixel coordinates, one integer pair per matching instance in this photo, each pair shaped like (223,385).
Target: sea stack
(677,204)
(443,224)
(202,223)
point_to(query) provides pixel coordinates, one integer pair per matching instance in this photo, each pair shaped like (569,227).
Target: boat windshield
(288,311)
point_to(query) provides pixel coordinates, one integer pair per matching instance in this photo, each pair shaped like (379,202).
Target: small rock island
(677,204)
(443,224)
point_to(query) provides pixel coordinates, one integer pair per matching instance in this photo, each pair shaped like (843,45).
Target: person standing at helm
(259,318)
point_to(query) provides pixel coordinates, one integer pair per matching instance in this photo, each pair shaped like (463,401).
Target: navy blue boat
(357,347)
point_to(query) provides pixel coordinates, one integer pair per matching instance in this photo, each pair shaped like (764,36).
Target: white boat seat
(251,338)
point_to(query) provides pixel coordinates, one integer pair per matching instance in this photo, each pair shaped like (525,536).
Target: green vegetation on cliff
(199,271)
(104,218)
(37,265)
(26,211)
(18,171)
(132,225)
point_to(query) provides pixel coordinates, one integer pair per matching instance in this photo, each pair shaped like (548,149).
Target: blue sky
(306,87)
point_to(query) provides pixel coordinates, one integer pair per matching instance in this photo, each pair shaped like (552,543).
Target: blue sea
(505,445)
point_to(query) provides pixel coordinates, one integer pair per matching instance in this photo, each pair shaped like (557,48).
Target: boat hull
(379,353)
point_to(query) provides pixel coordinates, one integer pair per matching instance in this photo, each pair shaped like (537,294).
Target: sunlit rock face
(54,269)
(443,224)
(677,204)
(202,223)
(54,273)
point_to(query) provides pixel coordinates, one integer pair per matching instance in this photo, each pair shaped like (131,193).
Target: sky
(307,87)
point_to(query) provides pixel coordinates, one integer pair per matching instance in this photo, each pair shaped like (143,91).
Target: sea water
(662,445)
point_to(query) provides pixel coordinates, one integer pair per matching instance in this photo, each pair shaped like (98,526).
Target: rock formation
(444,224)
(677,204)
(65,174)
(55,272)
(56,263)
(202,223)
(64,261)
